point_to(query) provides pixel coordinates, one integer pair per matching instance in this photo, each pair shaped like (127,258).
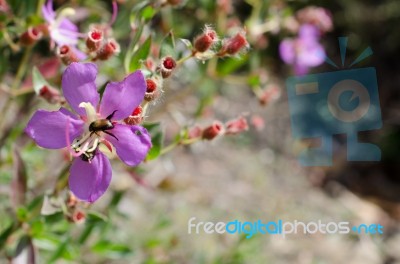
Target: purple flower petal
(133,143)
(308,31)
(49,129)
(123,96)
(48,12)
(287,51)
(78,85)
(88,181)
(310,53)
(67,25)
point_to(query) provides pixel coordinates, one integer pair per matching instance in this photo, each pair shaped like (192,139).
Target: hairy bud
(67,55)
(204,41)
(166,66)
(136,117)
(31,36)
(216,129)
(50,94)
(110,48)
(94,40)
(234,45)
(151,90)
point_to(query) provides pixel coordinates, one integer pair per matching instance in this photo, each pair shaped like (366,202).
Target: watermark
(280,227)
(340,102)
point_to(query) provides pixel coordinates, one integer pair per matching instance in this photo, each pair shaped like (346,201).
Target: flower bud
(94,40)
(195,132)
(216,129)
(236,126)
(31,36)
(136,117)
(67,55)
(78,217)
(204,41)
(109,49)
(166,66)
(234,45)
(50,94)
(151,90)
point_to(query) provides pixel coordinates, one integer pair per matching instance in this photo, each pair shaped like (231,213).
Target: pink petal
(123,96)
(48,12)
(88,181)
(287,51)
(78,85)
(132,145)
(48,129)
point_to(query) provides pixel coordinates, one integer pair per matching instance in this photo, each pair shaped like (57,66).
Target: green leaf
(168,46)
(147,13)
(38,80)
(157,138)
(5,234)
(95,217)
(230,65)
(110,249)
(139,55)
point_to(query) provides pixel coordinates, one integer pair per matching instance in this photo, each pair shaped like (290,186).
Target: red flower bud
(109,49)
(78,217)
(31,36)
(204,41)
(166,66)
(151,90)
(136,117)
(67,55)
(195,132)
(217,128)
(236,126)
(234,45)
(94,40)
(50,94)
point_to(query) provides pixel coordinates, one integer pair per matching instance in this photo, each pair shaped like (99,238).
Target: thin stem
(178,143)
(22,68)
(182,60)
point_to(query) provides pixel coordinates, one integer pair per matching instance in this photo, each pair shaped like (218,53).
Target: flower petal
(287,51)
(78,85)
(48,12)
(88,181)
(132,145)
(48,129)
(123,96)
(311,53)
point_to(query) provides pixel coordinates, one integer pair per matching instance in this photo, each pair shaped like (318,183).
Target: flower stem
(177,143)
(182,60)
(22,68)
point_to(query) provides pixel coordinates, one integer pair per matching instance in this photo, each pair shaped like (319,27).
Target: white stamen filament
(90,111)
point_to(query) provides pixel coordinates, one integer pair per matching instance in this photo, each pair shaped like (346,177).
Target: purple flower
(62,31)
(95,126)
(304,51)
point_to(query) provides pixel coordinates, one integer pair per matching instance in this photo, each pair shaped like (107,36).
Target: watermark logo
(341,102)
(280,227)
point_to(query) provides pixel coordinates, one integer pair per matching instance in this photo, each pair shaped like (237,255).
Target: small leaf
(139,55)
(157,138)
(230,65)
(6,233)
(25,252)
(18,184)
(147,13)
(111,250)
(38,80)
(168,46)
(187,43)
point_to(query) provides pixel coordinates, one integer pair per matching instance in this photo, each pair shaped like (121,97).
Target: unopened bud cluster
(217,128)
(100,47)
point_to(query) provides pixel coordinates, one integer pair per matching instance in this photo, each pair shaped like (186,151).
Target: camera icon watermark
(340,102)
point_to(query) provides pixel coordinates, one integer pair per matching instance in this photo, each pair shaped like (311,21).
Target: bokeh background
(143,218)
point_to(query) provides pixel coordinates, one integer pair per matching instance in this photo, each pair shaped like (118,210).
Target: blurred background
(143,217)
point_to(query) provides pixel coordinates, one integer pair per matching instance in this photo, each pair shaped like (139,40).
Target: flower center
(86,145)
